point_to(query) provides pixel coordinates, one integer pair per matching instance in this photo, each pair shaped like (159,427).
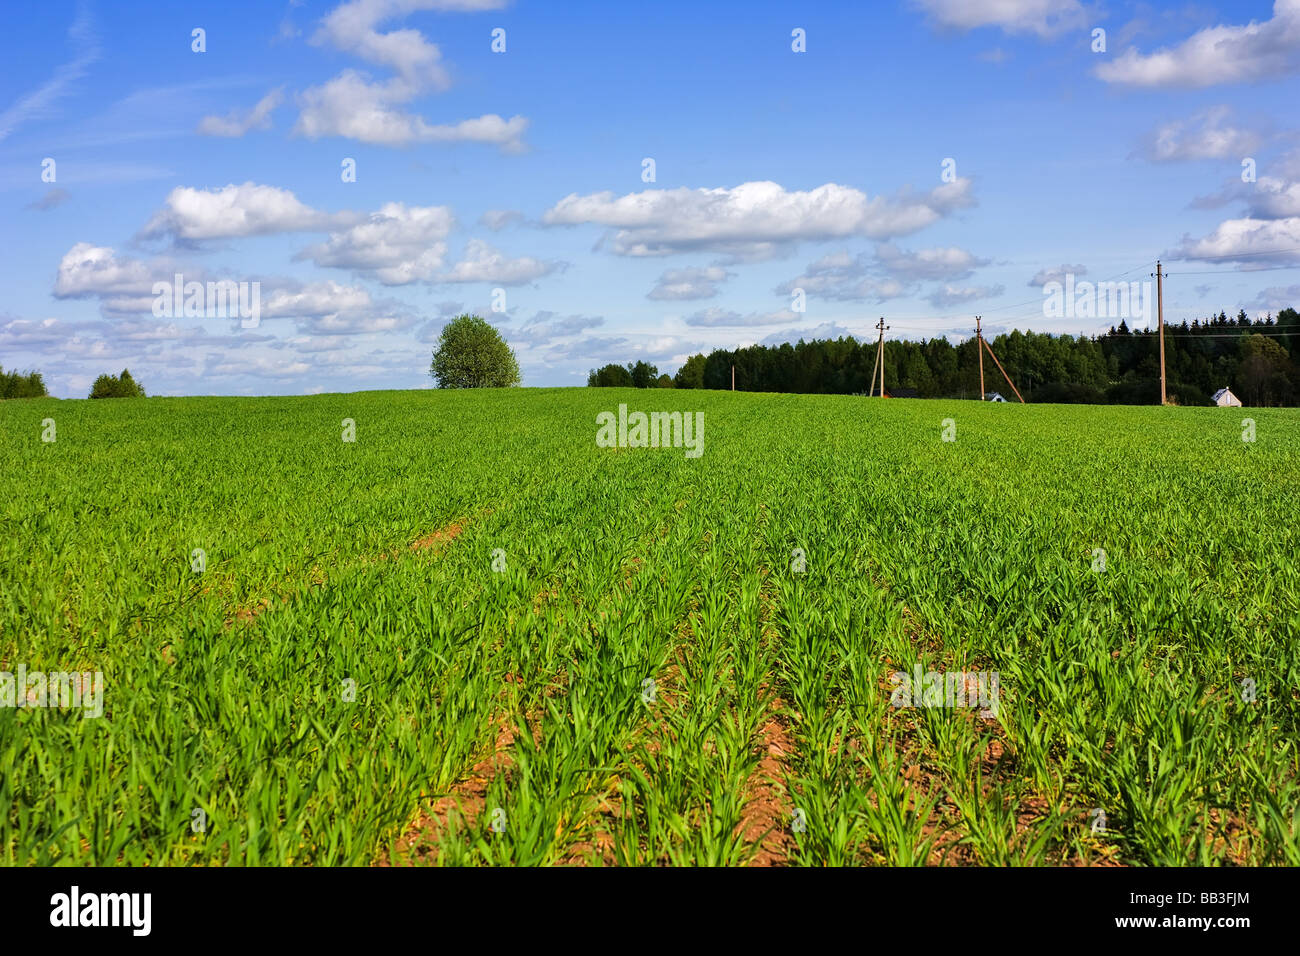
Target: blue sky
(516,178)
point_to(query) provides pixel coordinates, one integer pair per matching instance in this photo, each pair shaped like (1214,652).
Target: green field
(498,589)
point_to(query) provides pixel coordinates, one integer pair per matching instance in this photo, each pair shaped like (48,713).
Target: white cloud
(483,263)
(352,106)
(1268,233)
(1252,242)
(1259,50)
(351,27)
(398,244)
(754,220)
(232,211)
(1272,197)
(87,270)
(1056,274)
(843,277)
(692,283)
(1207,135)
(1046,18)
(715,317)
(947,262)
(890,274)
(498,219)
(827,330)
(1276,298)
(316,299)
(948,294)
(235,123)
(546,327)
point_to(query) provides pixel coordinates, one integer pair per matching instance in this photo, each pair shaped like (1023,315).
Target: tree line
(32,385)
(1257,359)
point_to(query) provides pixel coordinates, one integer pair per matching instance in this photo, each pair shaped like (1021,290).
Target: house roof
(1220,393)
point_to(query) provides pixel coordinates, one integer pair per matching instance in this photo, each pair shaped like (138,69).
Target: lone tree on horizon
(472,354)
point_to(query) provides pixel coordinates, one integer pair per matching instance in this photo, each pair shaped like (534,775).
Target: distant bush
(117,386)
(665,381)
(22,385)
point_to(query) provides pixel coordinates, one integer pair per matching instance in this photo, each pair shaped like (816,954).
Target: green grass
(225,690)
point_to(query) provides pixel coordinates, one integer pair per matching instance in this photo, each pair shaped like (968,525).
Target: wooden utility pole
(880,356)
(979,342)
(871,382)
(1160,312)
(733,378)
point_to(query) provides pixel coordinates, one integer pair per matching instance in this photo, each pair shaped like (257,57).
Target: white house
(1225,399)
(993,397)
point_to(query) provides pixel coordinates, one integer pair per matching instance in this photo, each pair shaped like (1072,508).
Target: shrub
(22,385)
(117,386)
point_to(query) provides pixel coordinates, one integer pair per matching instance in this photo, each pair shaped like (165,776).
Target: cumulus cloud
(354,107)
(1259,50)
(947,262)
(546,327)
(1271,197)
(889,274)
(237,123)
(692,283)
(483,263)
(192,215)
(89,271)
(351,27)
(315,299)
(397,245)
(1268,233)
(1207,135)
(754,220)
(1045,18)
(843,277)
(1250,241)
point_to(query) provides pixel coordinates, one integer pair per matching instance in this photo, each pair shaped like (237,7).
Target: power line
(1232,272)
(1236,255)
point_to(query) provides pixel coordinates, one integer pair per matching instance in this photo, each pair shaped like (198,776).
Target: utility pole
(880,354)
(979,349)
(1160,312)
(733,378)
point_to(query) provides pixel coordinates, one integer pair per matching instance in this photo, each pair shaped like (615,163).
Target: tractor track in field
(768,811)
(466,800)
